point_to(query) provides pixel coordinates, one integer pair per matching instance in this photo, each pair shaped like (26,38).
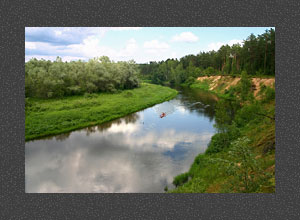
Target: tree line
(47,79)
(256,57)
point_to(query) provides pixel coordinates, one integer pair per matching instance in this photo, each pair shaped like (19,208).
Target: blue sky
(142,44)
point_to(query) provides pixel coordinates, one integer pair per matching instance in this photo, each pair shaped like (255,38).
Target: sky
(142,44)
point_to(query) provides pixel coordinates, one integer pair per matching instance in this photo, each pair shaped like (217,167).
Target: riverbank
(221,85)
(241,156)
(55,116)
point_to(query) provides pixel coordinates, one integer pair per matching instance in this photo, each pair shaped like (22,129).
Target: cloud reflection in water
(138,153)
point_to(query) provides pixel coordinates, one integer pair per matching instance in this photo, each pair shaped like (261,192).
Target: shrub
(166,189)
(245,86)
(209,71)
(269,94)
(28,104)
(90,95)
(49,94)
(244,168)
(46,79)
(190,80)
(218,142)
(181,179)
(247,114)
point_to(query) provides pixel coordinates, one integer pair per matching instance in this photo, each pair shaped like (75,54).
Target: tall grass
(55,116)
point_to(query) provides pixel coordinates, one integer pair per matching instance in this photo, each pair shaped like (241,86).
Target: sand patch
(226,82)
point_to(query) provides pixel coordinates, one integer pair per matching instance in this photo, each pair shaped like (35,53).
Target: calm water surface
(137,153)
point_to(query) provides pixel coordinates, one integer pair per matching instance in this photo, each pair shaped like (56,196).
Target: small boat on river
(162,115)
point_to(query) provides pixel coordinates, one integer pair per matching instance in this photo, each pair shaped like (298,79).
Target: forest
(47,79)
(256,57)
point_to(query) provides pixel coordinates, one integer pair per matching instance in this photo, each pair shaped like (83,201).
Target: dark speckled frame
(14,16)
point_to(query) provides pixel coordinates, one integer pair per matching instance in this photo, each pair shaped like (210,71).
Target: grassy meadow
(46,117)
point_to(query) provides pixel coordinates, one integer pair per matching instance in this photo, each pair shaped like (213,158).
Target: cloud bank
(188,37)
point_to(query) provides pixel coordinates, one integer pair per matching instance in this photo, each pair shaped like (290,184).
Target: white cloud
(125,28)
(216,45)
(30,45)
(128,128)
(116,159)
(90,47)
(130,49)
(46,57)
(155,46)
(58,33)
(235,41)
(185,37)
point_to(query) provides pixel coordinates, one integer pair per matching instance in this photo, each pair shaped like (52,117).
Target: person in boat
(163,115)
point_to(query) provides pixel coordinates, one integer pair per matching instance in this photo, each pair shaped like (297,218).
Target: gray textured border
(14,16)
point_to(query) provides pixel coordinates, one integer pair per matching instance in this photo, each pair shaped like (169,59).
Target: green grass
(55,116)
(200,85)
(208,175)
(205,85)
(211,172)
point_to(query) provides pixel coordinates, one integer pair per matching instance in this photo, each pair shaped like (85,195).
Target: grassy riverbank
(241,155)
(55,116)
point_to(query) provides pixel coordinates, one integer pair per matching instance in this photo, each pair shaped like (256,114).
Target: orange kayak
(162,115)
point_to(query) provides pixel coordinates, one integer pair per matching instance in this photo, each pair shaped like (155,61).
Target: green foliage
(256,57)
(244,168)
(200,85)
(221,141)
(218,142)
(248,113)
(128,94)
(269,94)
(190,80)
(55,116)
(90,96)
(225,112)
(197,185)
(209,71)
(181,179)
(240,157)
(46,79)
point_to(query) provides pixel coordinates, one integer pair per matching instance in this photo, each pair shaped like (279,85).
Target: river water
(137,153)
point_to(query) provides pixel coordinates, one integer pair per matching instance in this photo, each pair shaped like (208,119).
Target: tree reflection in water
(136,153)
(198,100)
(131,118)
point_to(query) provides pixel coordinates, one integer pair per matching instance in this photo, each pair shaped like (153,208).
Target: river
(140,152)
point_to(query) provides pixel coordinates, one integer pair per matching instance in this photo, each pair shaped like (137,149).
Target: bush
(46,79)
(245,86)
(269,94)
(166,189)
(49,94)
(181,179)
(209,71)
(247,114)
(28,104)
(190,80)
(244,168)
(89,95)
(218,142)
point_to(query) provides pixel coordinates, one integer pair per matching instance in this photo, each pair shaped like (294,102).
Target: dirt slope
(225,82)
